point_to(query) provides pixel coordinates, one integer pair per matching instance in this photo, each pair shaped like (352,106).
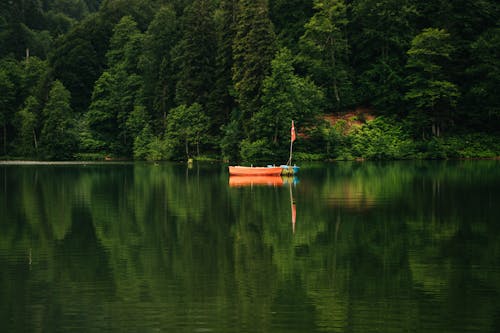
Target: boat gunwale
(239,170)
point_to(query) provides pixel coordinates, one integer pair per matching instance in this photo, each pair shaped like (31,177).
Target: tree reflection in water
(352,246)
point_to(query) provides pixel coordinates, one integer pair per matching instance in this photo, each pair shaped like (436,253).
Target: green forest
(223,79)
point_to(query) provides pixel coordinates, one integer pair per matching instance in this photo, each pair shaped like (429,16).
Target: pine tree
(116,92)
(158,90)
(253,50)
(289,18)
(28,137)
(221,101)
(58,139)
(124,33)
(484,75)
(78,59)
(194,55)
(380,34)
(101,116)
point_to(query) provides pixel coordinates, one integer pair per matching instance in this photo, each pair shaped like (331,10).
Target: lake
(342,247)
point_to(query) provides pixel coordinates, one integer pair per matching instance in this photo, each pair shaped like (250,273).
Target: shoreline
(27,162)
(33,162)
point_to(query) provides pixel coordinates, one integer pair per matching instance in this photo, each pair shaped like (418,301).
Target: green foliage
(58,23)
(429,91)
(137,121)
(138,128)
(101,116)
(384,83)
(255,151)
(338,142)
(158,150)
(465,146)
(386,139)
(433,95)
(485,76)
(186,125)
(76,9)
(58,139)
(115,116)
(117,57)
(253,50)
(123,35)
(35,78)
(27,119)
(9,76)
(379,139)
(324,51)
(308,157)
(380,33)
(194,55)
(7,96)
(158,88)
(285,97)
(428,51)
(289,18)
(77,64)
(142,142)
(232,136)
(90,156)
(79,57)
(222,95)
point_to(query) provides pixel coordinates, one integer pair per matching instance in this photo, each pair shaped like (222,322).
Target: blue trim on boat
(295,168)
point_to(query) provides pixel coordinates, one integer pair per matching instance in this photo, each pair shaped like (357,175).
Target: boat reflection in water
(239,181)
(275,181)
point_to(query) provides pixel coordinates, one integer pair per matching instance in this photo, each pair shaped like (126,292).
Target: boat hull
(254,171)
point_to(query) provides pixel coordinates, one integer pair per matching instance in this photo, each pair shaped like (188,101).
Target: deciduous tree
(286,97)
(429,89)
(380,33)
(186,125)
(324,51)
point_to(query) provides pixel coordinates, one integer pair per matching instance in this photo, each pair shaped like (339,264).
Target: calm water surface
(345,247)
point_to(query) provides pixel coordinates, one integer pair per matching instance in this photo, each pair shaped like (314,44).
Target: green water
(375,247)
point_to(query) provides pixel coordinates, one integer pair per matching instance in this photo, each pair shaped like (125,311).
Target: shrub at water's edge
(385,139)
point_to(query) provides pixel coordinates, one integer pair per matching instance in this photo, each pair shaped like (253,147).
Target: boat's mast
(292,138)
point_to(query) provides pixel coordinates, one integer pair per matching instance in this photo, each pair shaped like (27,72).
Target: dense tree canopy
(430,68)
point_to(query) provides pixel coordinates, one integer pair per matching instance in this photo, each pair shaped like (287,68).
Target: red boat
(255,171)
(270,170)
